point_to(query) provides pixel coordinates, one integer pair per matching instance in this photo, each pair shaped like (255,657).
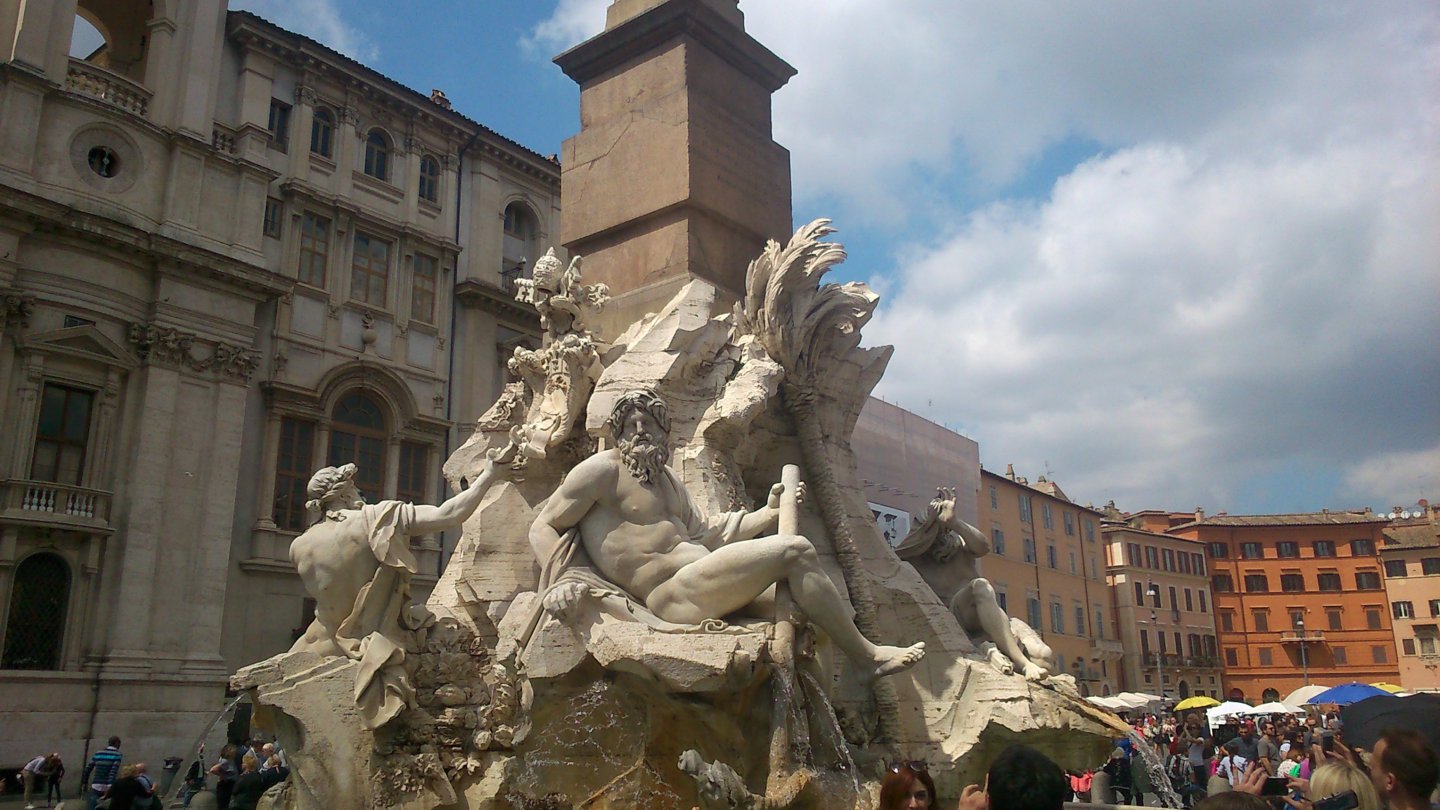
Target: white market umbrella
(1274,708)
(1215,714)
(1302,695)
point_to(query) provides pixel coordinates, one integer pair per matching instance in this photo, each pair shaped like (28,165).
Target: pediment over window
(84,343)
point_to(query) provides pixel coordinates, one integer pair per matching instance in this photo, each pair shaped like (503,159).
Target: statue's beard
(644,457)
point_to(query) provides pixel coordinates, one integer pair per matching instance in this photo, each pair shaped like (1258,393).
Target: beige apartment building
(1046,568)
(228,256)
(1410,554)
(1163,604)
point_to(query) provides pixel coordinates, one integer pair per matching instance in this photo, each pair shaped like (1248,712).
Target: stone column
(26,403)
(262,534)
(41,39)
(347,140)
(9,539)
(673,174)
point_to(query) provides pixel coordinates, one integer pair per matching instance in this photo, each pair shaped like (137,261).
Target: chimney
(1199,513)
(1010,471)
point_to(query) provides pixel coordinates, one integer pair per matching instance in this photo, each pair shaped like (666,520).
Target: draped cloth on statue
(568,562)
(383,621)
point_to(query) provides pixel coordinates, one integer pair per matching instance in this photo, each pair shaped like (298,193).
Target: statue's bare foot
(890,660)
(1001,661)
(1034,672)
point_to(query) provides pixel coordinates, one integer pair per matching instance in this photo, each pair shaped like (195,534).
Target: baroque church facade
(228,256)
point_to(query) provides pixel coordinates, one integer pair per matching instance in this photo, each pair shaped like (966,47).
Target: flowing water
(194,749)
(825,712)
(1159,780)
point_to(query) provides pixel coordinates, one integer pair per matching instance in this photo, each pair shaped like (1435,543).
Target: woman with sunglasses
(907,786)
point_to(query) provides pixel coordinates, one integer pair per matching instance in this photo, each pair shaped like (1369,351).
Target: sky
(1169,254)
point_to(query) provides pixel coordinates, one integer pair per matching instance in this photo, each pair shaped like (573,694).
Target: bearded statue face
(644,444)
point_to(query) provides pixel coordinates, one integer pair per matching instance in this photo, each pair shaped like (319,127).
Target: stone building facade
(1299,598)
(1047,568)
(228,255)
(1410,554)
(1164,607)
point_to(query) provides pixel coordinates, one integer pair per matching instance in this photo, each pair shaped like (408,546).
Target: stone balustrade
(97,82)
(60,503)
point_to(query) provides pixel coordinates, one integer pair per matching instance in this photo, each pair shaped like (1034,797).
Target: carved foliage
(166,345)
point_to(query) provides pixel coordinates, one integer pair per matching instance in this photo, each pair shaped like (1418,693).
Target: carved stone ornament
(166,345)
(17,310)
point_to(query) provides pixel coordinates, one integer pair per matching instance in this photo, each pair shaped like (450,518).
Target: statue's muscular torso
(634,534)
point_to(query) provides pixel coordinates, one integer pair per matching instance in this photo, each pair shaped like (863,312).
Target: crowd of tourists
(241,774)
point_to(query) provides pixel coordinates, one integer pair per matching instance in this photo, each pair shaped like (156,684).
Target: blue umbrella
(1347,693)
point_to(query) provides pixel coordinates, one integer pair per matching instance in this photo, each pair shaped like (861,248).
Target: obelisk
(674,174)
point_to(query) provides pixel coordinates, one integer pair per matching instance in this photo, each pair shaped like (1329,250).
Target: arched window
(1269,696)
(1184,689)
(377,155)
(429,179)
(322,128)
(519,222)
(358,435)
(35,628)
(518,247)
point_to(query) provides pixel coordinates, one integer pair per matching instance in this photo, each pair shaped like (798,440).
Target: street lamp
(1154,594)
(1304,663)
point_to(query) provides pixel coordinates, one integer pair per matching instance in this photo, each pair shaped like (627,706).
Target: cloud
(572,22)
(321,20)
(1398,478)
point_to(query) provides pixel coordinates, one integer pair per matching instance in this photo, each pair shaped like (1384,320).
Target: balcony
(111,88)
(61,506)
(1107,650)
(1307,637)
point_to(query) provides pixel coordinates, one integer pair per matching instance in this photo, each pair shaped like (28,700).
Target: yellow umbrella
(1197,702)
(1388,687)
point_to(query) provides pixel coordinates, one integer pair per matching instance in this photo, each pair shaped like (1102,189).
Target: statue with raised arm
(943,539)
(627,514)
(355,561)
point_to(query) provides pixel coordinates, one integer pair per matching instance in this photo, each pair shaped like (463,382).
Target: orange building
(1047,568)
(1411,556)
(1298,599)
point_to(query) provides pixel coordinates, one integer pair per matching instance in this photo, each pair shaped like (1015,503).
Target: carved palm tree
(806,327)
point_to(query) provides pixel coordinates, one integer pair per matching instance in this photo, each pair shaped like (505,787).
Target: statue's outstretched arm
(456,510)
(976,542)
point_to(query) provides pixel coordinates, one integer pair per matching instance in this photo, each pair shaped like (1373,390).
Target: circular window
(103,161)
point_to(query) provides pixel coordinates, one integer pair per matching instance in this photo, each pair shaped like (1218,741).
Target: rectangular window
(1197,564)
(1434,608)
(1266,657)
(1292,583)
(1430,565)
(1169,559)
(1362,547)
(1340,655)
(1407,645)
(1297,617)
(1099,616)
(1324,548)
(1154,594)
(1164,646)
(1218,551)
(1204,608)
(1074,567)
(273,209)
(1045,516)
(1380,654)
(1332,618)
(1132,554)
(1139,594)
(1094,568)
(1189,599)
(1231,658)
(994,497)
(1367,580)
(1427,644)
(1152,557)
(1227,621)
(422,295)
(1032,611)
(1025,513)
(1001,597)
(1394,569)
(314,249)
(1184,561)
(1402,610)
(1029,544)
(62,435)
(370,270)
(1262,621)
(1287,549)
(410,486)
(1057,617)
(1050,556)
(1256,583)
(1144,641)
(1079,620)
(1174,598)
(294,464)
(1089,530)
(1372,618)
(1251,551)
(1221,583)
(1069,523)
(279,124)
(997,542)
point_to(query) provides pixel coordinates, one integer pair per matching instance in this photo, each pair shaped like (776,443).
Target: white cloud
(321,20)
(1398,478)
(1236,295)
(572,22)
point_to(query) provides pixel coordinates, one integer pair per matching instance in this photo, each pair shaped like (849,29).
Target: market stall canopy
(1274,708)
(1216,714)
(1302,695)
(1196,702)
(1348,693)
